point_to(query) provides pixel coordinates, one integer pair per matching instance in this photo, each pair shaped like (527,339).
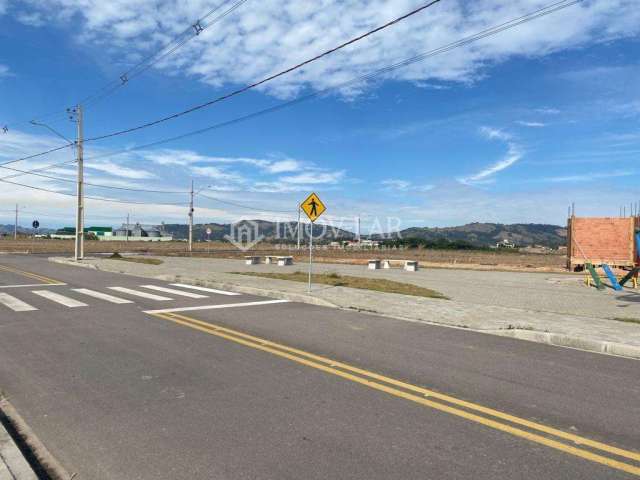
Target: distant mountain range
(488,234)
(267,230)
(478,234)
(8,229)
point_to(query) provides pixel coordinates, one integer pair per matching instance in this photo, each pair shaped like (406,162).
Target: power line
(46,152)
(494,30)
(248,207)
(265,80)
(38,169)
(114,187)
(110,200)
(177,42)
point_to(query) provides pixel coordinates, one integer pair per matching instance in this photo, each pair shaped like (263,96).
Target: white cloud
(5,71)
(590,177)
(513,155)
(33,19)
(117,170)
(548,111)
(263,37)
(314,178)
(218,174)
(397,185)
(284,166)
(531,124)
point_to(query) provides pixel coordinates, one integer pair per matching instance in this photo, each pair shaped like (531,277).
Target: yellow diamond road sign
(313,207)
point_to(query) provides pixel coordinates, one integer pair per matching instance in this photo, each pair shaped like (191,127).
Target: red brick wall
(602,240)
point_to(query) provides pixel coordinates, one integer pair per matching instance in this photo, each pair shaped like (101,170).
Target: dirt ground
(468,259)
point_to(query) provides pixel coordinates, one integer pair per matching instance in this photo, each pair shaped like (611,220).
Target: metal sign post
(313,207)
(35,226)
(310,254)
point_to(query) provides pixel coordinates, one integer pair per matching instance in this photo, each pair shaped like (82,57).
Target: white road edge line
(215,307)
(15,304)
(173,291)
(102,296)
(138,293)
(61,299)
(204,289)
(31,285)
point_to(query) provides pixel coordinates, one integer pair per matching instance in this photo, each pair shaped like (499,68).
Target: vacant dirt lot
(474,259)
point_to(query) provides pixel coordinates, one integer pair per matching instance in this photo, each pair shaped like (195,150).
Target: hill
(488,234)
(271,231)
(476,234)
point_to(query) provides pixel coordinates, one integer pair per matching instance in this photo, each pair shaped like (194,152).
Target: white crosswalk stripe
(174,291)
(61,299)
(204,289)
(102,296)
(138,293)
(15,304)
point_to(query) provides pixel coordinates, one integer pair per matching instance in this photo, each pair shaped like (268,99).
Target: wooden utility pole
(15,226)
(79,247)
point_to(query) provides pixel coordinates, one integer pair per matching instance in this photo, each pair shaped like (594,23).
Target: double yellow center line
(35,276)
(597,452)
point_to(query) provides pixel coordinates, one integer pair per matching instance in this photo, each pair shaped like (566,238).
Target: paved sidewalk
(13,465)
(547,308)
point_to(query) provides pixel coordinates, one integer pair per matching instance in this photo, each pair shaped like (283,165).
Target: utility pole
(127,231)
(79,247)
(191,220)
(15,226)
(358,230)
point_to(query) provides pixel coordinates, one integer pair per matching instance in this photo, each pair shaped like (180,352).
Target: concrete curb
(13,465)
(548,338)
(44,461)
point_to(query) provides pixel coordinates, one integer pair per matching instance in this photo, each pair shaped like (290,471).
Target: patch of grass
(627,319)
(146,261)
(363,283)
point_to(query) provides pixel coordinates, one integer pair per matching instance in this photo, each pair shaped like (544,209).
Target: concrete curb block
(44,459)
(548,338)
(73,263)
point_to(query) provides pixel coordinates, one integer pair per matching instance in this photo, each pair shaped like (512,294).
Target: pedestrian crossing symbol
(313,207)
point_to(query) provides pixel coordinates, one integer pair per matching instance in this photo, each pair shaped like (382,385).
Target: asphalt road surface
(142,382)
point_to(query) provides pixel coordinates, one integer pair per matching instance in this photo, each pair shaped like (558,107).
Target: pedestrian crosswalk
(61,299)
(21,300)
(138,293)
(15,304)
(102,296)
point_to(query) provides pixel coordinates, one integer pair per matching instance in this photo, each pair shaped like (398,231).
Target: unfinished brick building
(601,240)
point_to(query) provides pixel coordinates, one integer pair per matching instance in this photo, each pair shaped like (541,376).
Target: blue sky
(509,129)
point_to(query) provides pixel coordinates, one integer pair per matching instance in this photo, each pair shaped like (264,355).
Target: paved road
(201,389)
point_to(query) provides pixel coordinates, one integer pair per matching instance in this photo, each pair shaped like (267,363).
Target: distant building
(505,243)
(139,232)
(135,233)
(67,233)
